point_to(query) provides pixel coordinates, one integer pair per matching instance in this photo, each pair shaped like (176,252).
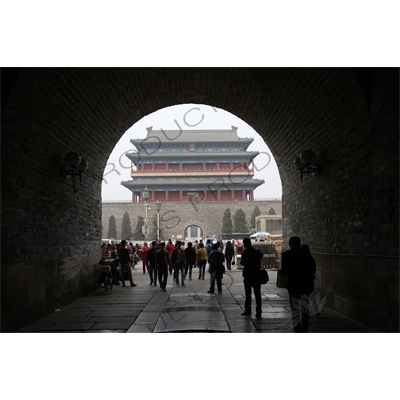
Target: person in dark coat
(124,259)
(151,262)
(162,265)
(314,308)
(216,261)
(190,255)
(229,253)
(300,270)
(251,260)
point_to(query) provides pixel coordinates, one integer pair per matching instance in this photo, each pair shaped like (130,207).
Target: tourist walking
(201,260)
(208,246)
(123,255)
(178,262)
(300,269)
(170,247)
(190,255)
(251,261)
(151,263)
(143,256)
(216,261)
(229,253)
(162,264)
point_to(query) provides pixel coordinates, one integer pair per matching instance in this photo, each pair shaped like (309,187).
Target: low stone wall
(175,217)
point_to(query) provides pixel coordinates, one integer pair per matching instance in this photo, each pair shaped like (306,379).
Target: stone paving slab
(141,328)
(233,313)
(112,325)
(281,327)
(55,327)
(241,326)
(63,319)
(105,331)
(230,306)
(148,318)
(69,313)
(114,313)
(181,321)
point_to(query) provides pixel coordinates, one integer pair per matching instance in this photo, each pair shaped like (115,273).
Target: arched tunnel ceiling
(286,106)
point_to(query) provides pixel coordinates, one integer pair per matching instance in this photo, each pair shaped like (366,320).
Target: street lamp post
(145,221)
(146,195)
(158,208)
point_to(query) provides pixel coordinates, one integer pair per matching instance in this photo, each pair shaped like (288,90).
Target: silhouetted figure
(313,266)
(216,261)
(251,260)
(151,262)
(162,263)
(178,262)
(300,270)
(229,253)
(190,255)
(170,247)
(124,259)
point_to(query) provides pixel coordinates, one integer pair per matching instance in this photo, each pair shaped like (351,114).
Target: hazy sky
(188,117)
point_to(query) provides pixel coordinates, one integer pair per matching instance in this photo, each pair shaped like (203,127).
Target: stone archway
(193,232)
(347,214)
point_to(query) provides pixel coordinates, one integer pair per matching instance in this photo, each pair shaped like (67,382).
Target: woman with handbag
(216,261)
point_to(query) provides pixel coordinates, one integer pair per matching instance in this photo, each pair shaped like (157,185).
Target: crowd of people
(180,260)
(162,259)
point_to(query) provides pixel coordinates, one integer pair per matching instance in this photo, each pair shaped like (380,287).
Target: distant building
(269,223)
(194,165)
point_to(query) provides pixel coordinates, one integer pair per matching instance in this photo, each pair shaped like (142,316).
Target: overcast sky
(188,117)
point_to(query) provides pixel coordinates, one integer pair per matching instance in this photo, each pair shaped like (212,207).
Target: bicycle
(106,279)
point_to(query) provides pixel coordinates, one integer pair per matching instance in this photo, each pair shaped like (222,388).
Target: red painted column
(232,194)
(180,194)
(166,195)
(219,195)
(153,196)
(243,195)
(205,195)
(153,167)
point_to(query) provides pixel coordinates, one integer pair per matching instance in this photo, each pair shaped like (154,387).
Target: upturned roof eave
(137,157)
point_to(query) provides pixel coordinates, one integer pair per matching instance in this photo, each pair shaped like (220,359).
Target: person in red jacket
(143,255)
(170,247)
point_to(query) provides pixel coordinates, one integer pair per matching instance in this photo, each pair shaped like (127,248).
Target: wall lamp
(306,163)
(73,166)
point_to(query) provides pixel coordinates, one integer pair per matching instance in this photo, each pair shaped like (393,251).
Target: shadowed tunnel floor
(145,309)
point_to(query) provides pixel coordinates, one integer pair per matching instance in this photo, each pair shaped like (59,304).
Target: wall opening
(189,117)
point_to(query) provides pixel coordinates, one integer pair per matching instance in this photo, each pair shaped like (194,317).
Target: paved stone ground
(145,308)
